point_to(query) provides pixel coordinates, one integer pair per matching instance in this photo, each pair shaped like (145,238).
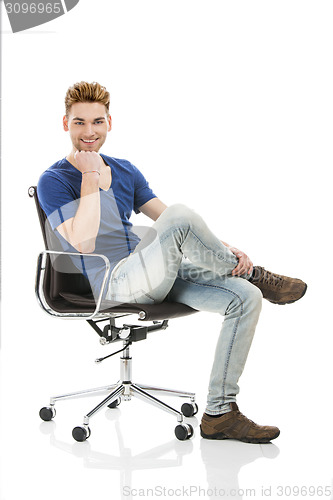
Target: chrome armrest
(40,276)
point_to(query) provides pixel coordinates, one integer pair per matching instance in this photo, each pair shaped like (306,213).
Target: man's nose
(89,129)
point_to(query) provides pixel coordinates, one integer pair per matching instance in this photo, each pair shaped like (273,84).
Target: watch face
(25,15)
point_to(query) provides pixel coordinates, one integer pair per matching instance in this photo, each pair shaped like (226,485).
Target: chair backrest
(60,274)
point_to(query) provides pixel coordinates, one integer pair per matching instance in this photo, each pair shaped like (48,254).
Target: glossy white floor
(132,451)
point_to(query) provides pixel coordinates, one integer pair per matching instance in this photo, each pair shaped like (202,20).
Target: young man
(88,198)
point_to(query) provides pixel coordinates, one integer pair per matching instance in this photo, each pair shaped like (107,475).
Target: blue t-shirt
(59,189)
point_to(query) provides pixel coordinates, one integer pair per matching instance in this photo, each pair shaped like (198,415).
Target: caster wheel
(115,403)
(81,433)
(189,409)
(184,431)
(47,413)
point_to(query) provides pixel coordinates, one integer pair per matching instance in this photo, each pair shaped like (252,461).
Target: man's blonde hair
(87,92)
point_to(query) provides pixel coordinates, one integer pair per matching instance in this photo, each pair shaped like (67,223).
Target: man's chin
(88,149)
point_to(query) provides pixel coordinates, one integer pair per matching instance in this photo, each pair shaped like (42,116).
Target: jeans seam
(225,372)
(212,251)
(211,286)
(230,349)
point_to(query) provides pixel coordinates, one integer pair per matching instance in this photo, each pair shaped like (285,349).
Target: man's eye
(99,122)
(78,123)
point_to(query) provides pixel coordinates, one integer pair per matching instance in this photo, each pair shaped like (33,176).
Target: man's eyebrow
(83,120)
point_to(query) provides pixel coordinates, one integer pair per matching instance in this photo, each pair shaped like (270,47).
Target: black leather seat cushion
(86,303)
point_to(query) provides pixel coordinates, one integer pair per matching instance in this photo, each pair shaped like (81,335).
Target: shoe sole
(290,301)
(220,435)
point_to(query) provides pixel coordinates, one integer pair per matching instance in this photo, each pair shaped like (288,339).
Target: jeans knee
(179,210)
(179,213)
(254,297)
(247,299)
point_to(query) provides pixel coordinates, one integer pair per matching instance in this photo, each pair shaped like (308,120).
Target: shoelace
(270,278)
(246,418)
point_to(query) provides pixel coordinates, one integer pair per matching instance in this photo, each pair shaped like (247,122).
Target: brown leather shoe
(277,288)
(234,425)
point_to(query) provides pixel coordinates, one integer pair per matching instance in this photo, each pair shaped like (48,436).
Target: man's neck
(70,158)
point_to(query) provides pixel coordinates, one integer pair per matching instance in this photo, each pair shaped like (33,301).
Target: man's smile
(92,141)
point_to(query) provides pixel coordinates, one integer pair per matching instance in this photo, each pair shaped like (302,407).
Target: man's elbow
(86,246)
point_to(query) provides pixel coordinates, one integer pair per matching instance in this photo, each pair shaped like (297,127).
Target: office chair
(63,292)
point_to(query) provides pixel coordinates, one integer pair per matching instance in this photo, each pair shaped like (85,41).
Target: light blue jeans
(179,259)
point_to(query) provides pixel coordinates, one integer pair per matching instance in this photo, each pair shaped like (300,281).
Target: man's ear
(65,123)
(109,120)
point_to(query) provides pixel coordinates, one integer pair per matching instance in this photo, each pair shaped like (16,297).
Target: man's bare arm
(81,230)
(153,208)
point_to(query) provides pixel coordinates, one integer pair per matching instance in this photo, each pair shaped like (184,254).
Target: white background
(226,107)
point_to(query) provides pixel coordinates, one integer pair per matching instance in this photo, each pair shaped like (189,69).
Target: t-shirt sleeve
(142,191)
(56,199)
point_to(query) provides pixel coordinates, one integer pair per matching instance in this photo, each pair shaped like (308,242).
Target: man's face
(88,125)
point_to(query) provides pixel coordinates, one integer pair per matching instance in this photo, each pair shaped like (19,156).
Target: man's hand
(86,161)
(245,265)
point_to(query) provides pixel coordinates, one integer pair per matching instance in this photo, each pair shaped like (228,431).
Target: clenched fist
(86,161)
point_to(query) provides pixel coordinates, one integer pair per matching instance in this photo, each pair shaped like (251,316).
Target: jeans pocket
(119,288)
(142,297)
